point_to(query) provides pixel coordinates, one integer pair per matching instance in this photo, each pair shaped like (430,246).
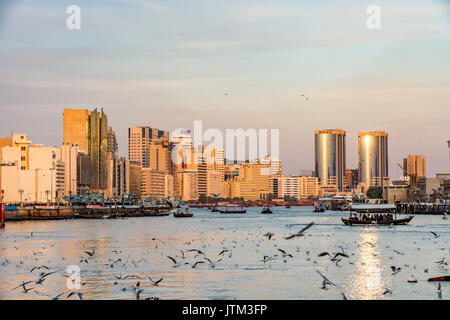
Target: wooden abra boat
(237,210)
(377,214)
(266,210)
(180,214)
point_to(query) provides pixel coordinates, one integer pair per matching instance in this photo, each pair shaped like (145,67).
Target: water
(243,275)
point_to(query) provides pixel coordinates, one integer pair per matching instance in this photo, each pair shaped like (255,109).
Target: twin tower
(330,158)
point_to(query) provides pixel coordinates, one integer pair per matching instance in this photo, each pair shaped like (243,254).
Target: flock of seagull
(194,258)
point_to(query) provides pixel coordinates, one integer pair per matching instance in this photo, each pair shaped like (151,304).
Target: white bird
(155,283)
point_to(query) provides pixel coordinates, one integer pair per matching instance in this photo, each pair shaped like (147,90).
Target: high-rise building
(373,157)
(152,183)
(89,130)
(414,165)
(330,158)
(295,186)
(69,155)
(139,144)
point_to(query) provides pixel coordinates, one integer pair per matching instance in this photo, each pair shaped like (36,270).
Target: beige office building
(149,147)
(415,165)
(152,183)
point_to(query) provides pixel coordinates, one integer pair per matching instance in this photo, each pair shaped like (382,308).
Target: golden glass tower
(330,157)
(372,157)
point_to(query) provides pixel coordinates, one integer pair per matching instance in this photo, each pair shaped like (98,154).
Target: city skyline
(242,65)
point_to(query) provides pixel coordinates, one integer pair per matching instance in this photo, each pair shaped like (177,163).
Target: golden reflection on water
(367,282)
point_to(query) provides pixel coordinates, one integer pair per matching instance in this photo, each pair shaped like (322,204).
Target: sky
(169,63)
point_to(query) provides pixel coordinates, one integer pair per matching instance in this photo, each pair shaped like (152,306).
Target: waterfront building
(414,165)
(169,191)
(187,185)
(330,158)
(69,155)
(295,186)
(31,173)
(372,157)
(133,178)
(89,130)
(152,183)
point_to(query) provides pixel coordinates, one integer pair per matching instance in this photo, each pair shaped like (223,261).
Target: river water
(143,244)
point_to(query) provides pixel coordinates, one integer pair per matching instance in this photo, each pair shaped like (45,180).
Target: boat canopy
(364,207)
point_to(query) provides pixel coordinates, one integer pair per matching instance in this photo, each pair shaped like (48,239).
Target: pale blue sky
(170,62)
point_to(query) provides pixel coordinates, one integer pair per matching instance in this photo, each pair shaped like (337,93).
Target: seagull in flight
(79,294)
(434,234)
(34,268)
(285,254)
(325,280)
(175,263)
(300,233)
(269,235)
(334,257)
(155,283)
(23,285)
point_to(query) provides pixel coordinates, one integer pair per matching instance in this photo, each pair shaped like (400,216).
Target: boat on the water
(439,279)
(318,209)
(376,214)
(238,209)
(182,212)
(266,210)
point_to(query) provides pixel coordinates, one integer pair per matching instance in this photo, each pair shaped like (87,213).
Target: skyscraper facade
(139,144)
(330,157)
(373,157)
(89,130)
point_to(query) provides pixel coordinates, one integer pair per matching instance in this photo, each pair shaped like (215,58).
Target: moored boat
(183,212)
(266,210)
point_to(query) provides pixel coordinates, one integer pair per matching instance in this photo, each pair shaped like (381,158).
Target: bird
(198,262)
(175,263)
(325,280)
(91,254)
(300,233)
(395,269)
(136,289)
(34,268)
(285,254)
(334,257)
(79,294)
(386,291)
(269,235)
(434,234)
(213,264)
(223,251)
(119,277)
(23,285)
(155,283)
(57,296)
(267,258)
(195,250)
